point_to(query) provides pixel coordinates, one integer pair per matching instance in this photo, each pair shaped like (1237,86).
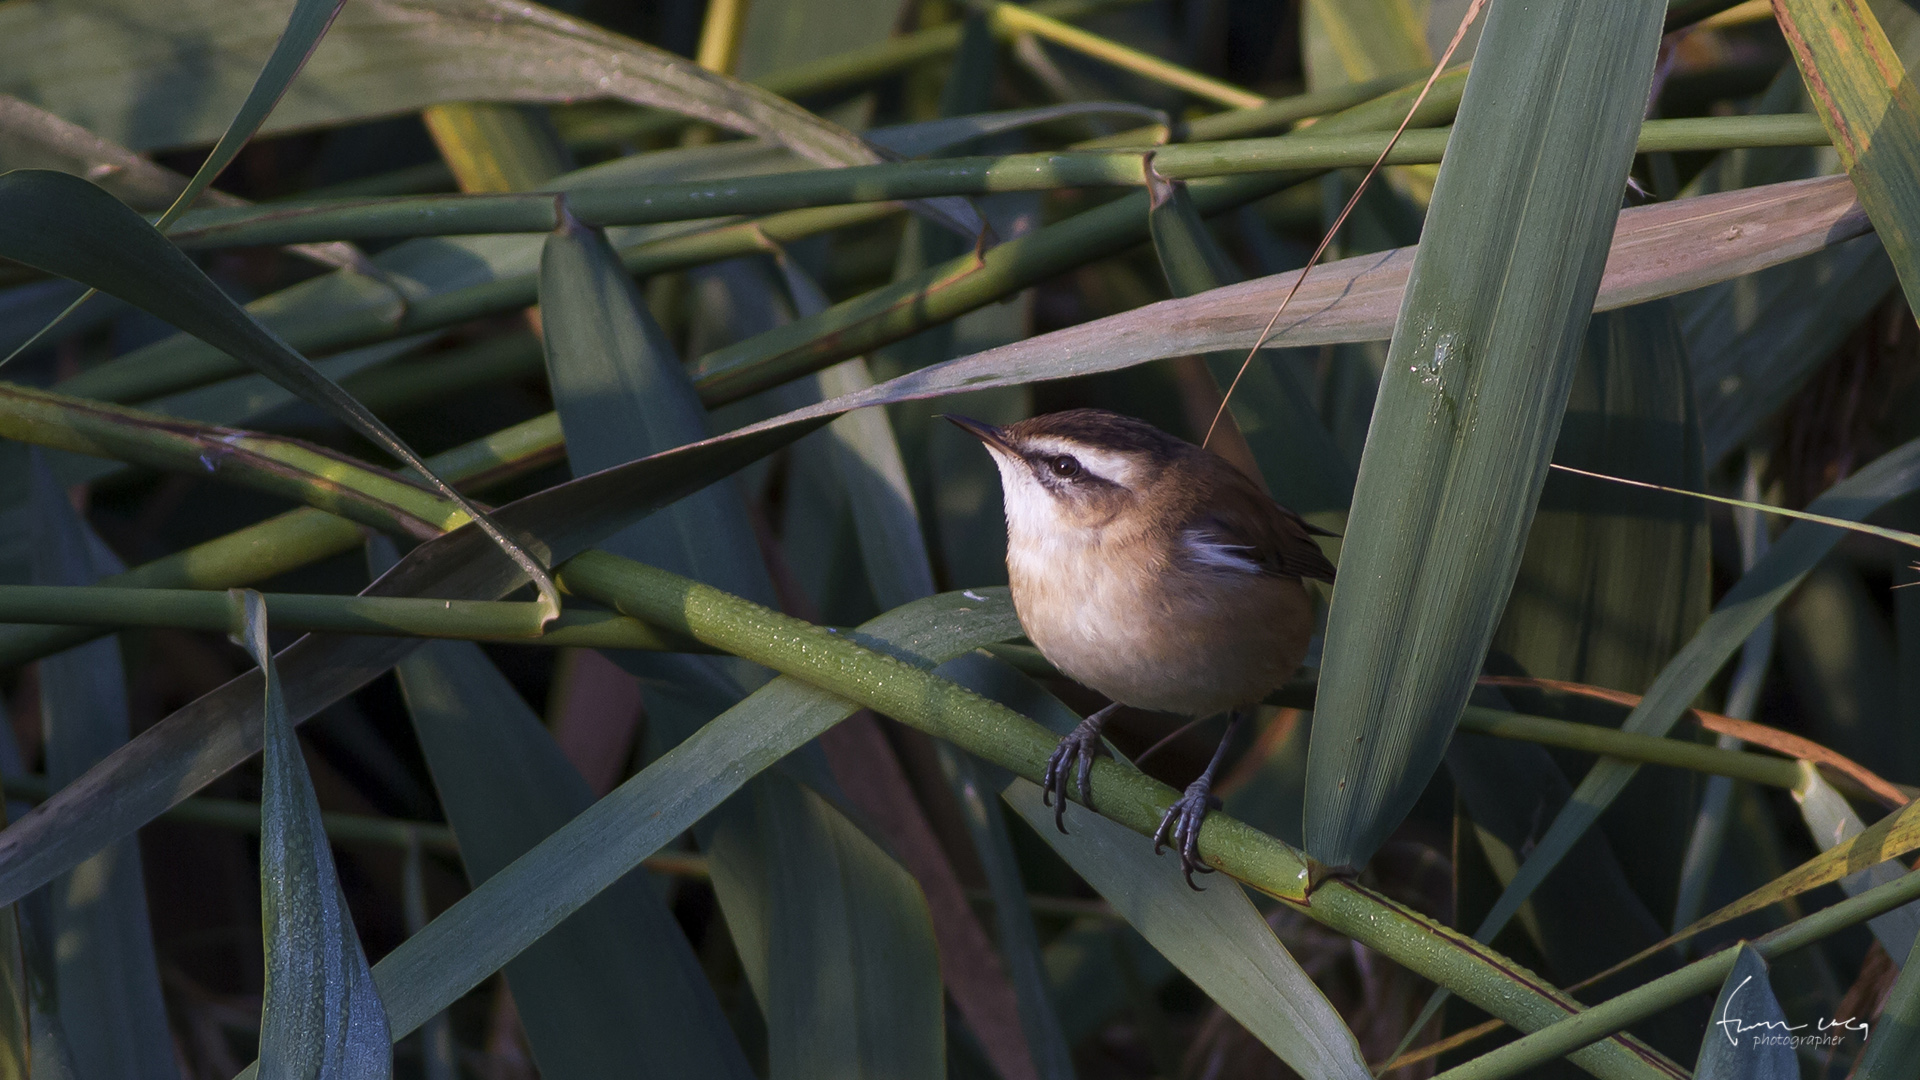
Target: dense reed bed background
(668,295)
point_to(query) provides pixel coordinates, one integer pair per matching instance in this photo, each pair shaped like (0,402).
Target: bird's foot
(1073,758)
(1180,828)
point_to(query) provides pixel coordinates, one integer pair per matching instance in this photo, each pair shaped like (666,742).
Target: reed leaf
(287,467)
(32,138)
(1478,374)
(1895,1044)
(321,1014)
(1608,588)
(839,931)
(1216,937)
(305,27)
(107,246)
(95,67)
(1739,612)
(1860,88)
(1832,822)
(615,989)
(174,758)
(1354,299)
(290,540)
(1738,1044)
(1698,977)
(107,977)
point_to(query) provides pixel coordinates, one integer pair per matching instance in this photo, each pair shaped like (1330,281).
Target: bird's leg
(1078,748)
(1180,826)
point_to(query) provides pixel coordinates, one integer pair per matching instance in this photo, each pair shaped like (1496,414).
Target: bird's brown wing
(1240,515)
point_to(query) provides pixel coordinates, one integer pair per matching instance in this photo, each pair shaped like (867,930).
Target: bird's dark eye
(1066,466)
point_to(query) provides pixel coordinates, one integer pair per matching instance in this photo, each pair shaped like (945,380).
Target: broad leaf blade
(321,1015)
(1476,379)
(1745,1040)
(1752,599)
(622,391)
(1832,823)
(1613,581)
(1871,107)
(1355,299)
(1216,937)
(66,226)
(98,66)
(1754,341)
(850,994)
(108,978)
(615,989)
(169,761)
(1008,1008)
(470,940)
(1894,1044)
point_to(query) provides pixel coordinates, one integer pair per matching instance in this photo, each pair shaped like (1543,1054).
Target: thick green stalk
(383,616)
(1590,738)
(1316,148)
(839,664)
(178,364)
(952,289)
(1699,977)
(1649,749)
(886,315)
(279,544)
(1274,116)
(300,471)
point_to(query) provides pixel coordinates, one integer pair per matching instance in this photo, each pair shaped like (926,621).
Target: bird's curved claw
(1180,829)
(1073,757)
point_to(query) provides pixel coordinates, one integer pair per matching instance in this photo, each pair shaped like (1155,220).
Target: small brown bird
(1154,572)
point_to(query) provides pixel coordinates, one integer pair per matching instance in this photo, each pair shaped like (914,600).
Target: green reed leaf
(321,1015)
(1475,384)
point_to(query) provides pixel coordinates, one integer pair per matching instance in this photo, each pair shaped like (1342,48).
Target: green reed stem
(380,616)
(1700,977)
(295,539)
(1316,148)
(838,664)
(182,363)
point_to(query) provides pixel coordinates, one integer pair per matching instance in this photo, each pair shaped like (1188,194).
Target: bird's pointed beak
(995,438)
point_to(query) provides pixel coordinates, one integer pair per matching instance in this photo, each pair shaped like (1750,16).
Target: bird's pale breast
(1128,622)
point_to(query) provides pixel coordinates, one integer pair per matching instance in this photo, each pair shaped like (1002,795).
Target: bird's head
(1082,469)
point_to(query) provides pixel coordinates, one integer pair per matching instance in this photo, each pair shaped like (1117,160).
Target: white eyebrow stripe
(1111,466)
(1207,550)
